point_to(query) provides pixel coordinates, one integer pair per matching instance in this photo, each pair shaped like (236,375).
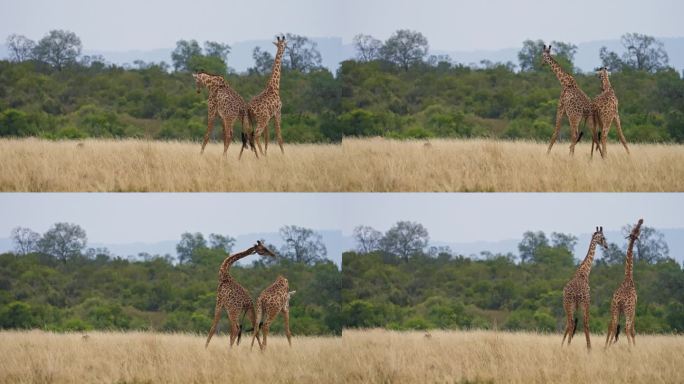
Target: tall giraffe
(573,102)
(226,103)
(267,104)
(605,110)
(576,291)
(273,300)
(625,297)
(232,296)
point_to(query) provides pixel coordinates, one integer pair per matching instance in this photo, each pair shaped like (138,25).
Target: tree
(530,244)
(367,239)
(301,54)
(25,240)
(302,245)
(188,245)
(367,47)
(613,255)
(59,48)
(530,56)
(651,246)
(20,47)
(405,48)
(63,241)
(642,53)
(184,51)
(610,60)
(223,243)
(263,61)
(405,239)
(215,49)
(562,240)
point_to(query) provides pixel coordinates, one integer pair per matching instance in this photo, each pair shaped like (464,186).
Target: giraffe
(573,102)
(226,103)
(605,110)
(576,291)
(267,104)
(273,300)
(233,297)
(625,297)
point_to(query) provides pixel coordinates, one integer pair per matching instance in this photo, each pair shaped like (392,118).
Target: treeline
(65,287)
(393,89)
(425,287)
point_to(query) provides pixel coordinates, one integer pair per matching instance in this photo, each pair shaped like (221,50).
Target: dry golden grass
(372,356)
(372,165)
(39,357)
(380,356)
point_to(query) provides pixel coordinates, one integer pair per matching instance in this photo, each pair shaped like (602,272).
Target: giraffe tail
(574,327)
(617,333)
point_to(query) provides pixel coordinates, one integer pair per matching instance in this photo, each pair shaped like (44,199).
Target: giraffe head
(262,250)
(280,42)
(599,239)
(203,79)
(546,54)
(603,74)
(636,231)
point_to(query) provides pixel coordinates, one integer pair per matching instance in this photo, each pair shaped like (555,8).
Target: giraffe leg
(569,311)
(286,320)
(266,136)
(257,323)
(210,128)
(574,127)
(619,131)
(585,307)
(234,329)
(251,316)
(217,317)
(278,132)
(559,118)
(264,335)
(613,324)
(260,129)
(606,123)
(227,133)
(629,322)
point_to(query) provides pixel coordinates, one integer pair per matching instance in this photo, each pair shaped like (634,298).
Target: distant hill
(333,51)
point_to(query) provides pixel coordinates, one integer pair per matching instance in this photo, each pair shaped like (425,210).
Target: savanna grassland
(369,165)
(370,356)
(102,357)
(502,357)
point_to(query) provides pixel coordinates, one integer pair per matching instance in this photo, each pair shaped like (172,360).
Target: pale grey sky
(448,24)
(150,217)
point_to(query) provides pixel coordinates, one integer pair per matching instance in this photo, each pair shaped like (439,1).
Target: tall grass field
(359,356)
(364,165)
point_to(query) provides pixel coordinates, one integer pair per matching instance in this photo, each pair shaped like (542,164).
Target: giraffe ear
(601,229)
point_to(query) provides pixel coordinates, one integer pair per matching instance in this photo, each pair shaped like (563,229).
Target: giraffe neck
(629,266)
(228,262)
(605,82)
(585,268)
(629,259)
(214,84)
(563,77)
(274,82)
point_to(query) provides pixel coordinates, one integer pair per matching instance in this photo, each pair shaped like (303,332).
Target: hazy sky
(448,24)
(124,218)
